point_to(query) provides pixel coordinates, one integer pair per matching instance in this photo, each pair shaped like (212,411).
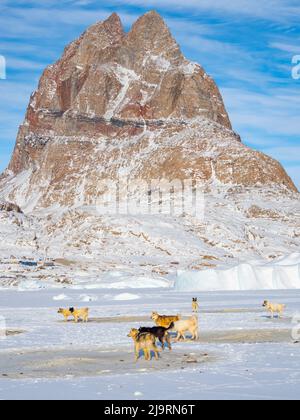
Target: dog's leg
(136,353)
(169,342)
(195,335)
(180,336)
(161,339)
(156,351)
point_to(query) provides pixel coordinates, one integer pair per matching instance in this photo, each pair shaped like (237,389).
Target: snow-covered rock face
(120,105)
(17,234)
(131,103)
(108,82)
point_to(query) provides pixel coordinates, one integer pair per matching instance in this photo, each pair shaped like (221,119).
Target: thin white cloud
(271,10)
(274,112)
(280,11)
(286,47)
(286,154)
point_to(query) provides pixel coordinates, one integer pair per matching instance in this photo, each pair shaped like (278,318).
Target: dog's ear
(71,310)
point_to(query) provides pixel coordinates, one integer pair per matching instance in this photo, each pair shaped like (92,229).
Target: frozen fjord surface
(241,369)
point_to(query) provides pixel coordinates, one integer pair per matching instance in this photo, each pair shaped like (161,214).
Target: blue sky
(247,46)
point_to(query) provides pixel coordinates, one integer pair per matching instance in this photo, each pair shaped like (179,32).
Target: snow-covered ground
(242,353)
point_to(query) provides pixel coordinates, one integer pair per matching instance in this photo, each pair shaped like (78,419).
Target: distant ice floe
(281,274)
(126,296)
(61,298)
(87,298)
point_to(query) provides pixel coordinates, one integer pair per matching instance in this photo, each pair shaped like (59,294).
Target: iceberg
(280,274)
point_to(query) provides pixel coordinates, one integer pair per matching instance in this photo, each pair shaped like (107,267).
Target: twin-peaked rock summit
(118,103)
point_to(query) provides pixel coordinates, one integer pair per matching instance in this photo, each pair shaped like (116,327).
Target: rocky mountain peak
(128,103)
(151,36)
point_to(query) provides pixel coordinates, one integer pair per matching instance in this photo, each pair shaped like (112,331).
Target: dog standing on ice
(76,313)
(189,325)
(274,308)
(195,305)
(145,342)
(164,320)
(159,332)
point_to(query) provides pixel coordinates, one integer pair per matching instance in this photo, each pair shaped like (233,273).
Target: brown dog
(195,305)
(145,342)
(76,313)
(159,332)
(164,320)
(274,308)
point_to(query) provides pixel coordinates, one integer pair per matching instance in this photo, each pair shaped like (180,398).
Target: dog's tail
(171,326)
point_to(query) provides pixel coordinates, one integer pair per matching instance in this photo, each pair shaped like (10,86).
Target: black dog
(160,332)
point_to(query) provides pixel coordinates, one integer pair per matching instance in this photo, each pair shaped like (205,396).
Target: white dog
(184,326)
(274,308)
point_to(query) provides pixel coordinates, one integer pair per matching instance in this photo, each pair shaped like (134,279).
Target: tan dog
(145,342)
(164,320)
(76,313)
(274,308)
(189,325)
(195,305)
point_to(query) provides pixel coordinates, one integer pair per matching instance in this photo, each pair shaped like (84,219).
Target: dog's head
(195,300)
(60,311)
(133,333)
(154,316)
(71,310)
(265,304)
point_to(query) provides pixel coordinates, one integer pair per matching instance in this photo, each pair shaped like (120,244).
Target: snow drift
(281,274)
